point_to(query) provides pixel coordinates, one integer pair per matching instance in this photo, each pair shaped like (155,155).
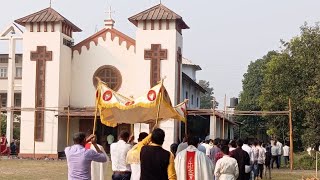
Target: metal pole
(68,126)
(96,110)
(0,122)
(34,136)
(224,114)
(291,135)
(159,105)
(214,117)
(317,164)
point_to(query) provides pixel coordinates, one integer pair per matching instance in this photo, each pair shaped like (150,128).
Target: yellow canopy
(115,108)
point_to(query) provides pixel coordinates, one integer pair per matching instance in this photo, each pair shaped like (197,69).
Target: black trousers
(260,170)
(121,176)
(275,159)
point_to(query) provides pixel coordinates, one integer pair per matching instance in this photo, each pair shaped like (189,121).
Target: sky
(224,36)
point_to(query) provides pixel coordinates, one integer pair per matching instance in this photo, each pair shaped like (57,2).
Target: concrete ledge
(39,156)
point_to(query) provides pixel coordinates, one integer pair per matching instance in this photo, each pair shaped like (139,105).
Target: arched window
(110,75)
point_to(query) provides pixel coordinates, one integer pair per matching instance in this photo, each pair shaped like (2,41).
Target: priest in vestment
(192,163)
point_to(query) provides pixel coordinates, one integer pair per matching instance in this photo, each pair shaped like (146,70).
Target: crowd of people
(8,149)
(192,159)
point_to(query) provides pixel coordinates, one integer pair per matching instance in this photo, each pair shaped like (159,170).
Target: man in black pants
(243,160)
(157,163)
(274,153)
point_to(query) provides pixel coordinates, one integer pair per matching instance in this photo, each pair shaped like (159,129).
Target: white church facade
(58,75)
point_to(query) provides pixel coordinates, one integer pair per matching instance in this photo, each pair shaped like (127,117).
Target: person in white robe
(98,169)
(133,158)
(192,163)
(226,167)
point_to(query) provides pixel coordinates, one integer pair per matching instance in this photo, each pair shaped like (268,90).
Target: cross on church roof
(110,12)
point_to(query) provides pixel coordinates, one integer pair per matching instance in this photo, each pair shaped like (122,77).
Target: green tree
(16,129)
(295,74)
(206,98)
(249,97)
(3,119)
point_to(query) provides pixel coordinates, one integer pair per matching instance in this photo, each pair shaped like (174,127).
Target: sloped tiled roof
(195,84)
(46,15)
(158,12)
(103,33)
(187,62)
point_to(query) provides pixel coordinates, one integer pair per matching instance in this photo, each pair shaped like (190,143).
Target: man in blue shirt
(79,159)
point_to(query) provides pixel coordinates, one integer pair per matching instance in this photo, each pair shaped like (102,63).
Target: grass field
(57,170)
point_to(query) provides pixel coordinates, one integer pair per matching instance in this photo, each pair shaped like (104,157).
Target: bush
(304,161)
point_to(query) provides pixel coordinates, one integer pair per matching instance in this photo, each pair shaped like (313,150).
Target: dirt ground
(57,170)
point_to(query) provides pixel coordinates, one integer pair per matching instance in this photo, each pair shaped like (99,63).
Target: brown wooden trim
(103,34)
(69,31)
(178,27)
(31,27)
(38,27)
(160,24)
(167,24)
(38,156)
(179,60)
(144,25)
(152,24)
(52,26)
(18,78)
(3,77)
(45,26)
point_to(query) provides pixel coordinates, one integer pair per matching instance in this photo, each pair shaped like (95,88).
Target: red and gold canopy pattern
(117,109)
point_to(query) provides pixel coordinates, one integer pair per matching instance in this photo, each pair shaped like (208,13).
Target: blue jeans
(286,160)
(279,160)
(121,176)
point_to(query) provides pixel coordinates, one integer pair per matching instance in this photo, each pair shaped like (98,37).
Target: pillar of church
(159,45)
(10,92)
(213,127)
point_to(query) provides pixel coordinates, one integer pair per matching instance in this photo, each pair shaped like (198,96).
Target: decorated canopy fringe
(116,109)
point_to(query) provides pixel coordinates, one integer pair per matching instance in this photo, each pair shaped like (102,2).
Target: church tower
(159,45)
(46,83)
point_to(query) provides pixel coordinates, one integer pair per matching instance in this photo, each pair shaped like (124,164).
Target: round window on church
(110,75)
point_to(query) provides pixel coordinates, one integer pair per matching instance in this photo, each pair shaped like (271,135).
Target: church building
(58,75)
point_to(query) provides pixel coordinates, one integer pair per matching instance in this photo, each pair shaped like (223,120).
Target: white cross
(110,12)
(50,3)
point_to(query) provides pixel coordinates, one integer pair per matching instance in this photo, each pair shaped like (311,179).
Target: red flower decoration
(152,95)
(129,103)
(107,96)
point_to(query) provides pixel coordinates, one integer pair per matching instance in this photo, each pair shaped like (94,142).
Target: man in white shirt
(192,163)
(286,151)
(207,146)
(279,145)
(248,149)
(121,170)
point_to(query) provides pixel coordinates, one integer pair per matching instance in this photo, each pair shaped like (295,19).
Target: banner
(116,109)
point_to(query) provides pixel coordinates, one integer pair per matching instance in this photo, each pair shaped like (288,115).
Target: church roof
(194,83)
(187,62)
(158,12)
(46,15)
(103,34)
